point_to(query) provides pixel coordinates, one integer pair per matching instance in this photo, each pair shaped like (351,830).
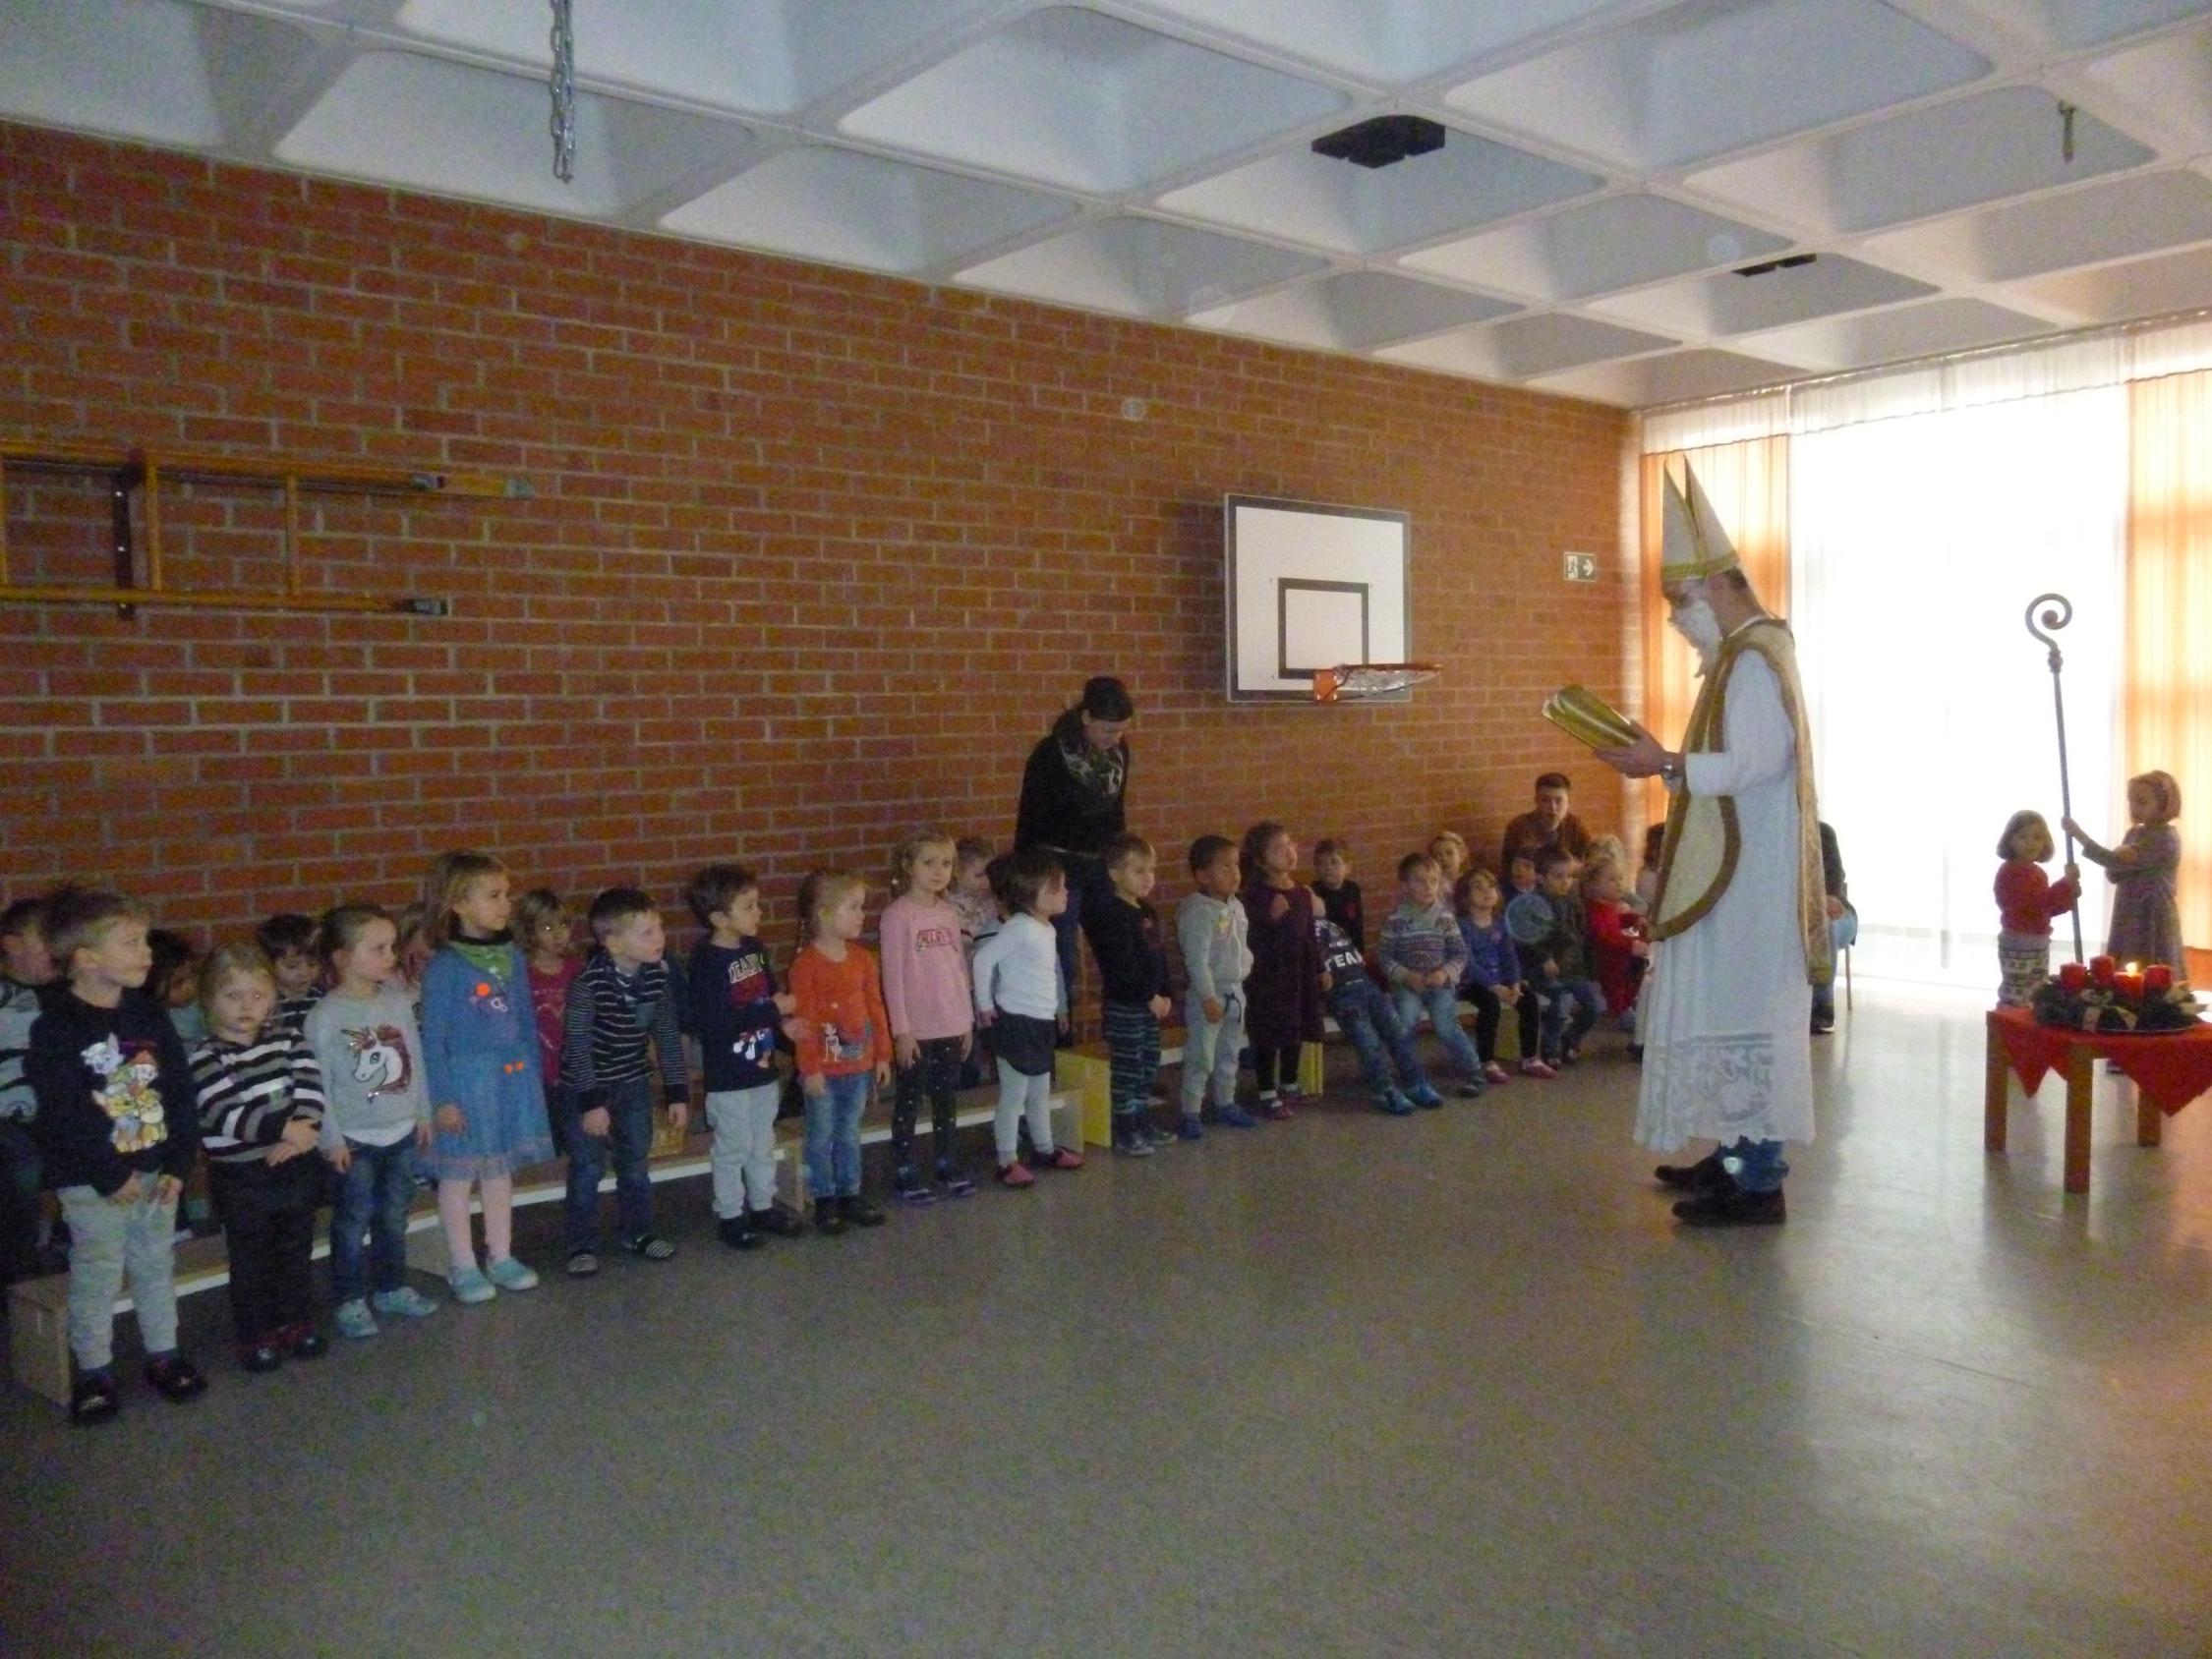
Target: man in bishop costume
(1739,928)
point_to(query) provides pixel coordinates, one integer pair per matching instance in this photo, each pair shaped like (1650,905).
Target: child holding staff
(2146,924)
(2027,900)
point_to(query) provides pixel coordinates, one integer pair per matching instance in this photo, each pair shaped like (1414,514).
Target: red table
(2168,1069)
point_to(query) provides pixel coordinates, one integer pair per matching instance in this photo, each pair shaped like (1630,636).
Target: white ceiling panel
(2077,228)
(1387,41)
(1139,267)
(1713,76)
(1609,165)
(1890,337)
(480,132)
(1523,347)
(1355,312)
(1324,203)
(1959,154)
(845,208)
(1724,304)
(1077,98)
(768,56)
(1618,243)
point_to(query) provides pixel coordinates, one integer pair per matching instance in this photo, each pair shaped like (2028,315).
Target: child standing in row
(1133,966)
(926,994)
(1493,977)
(260,1125)
(480,1063)
(1022,998)
(2027,900)
(546,930)
(1283,1007)
(844,1045)
(1213,931)
(1425,959)
(621,1005)
(737,1013)
(287,938)
(375,1116)
(115,1137)
(980,918)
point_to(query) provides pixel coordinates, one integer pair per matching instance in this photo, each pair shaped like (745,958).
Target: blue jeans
(1572,1008)
(832,1135)
(629,1137)
(1842,933)
(373,1198)
(1441,1003)
(1367,1018)
(1757,1166)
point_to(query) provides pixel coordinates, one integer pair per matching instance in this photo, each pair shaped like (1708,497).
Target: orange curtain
(1748,485)
(2168,691)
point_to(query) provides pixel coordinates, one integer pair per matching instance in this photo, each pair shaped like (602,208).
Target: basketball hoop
(1357,680)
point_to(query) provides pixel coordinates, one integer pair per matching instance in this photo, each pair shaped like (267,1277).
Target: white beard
(1695,624)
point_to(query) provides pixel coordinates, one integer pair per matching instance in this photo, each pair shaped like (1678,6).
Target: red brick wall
(812,555)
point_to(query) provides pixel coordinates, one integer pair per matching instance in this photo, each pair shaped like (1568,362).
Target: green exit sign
(1581,567)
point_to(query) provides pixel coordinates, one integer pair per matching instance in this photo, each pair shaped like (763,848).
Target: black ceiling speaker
(1384,139)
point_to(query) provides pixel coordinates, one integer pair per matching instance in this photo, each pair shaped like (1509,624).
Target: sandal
(93,1400)
(651,1248)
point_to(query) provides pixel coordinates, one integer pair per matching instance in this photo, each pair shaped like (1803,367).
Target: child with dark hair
(978,909)
(737,1013)
(1338,892)
(620,1005)
(545,933)
(1493,976)
(25,969)
(173,983)
(1562,959)
(1215,935)
(1647,873)
(287,939)
(1283,1007)
(115,1128)
(1366,1016)
(1021,996)
(1132,967)
(2027,900)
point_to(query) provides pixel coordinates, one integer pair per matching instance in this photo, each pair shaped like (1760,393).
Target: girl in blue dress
(479,1059)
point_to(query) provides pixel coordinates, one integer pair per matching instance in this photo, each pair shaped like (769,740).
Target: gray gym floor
(1453,1385)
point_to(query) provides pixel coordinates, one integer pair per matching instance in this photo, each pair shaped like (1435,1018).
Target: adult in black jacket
(1072,793)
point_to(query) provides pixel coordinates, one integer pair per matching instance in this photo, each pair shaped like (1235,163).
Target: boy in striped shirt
(620,1005)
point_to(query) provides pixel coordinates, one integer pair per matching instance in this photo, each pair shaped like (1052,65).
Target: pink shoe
(1061,1158)
(1277,1110)
(1016,1173)
(1536,1068)
(1493,1073)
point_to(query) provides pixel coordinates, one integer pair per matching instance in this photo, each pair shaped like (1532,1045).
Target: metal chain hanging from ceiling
(563,91)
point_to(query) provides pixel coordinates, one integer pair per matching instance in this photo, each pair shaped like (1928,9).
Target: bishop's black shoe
(1733,1207)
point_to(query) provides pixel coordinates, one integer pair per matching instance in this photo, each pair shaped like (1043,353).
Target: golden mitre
(1695,544)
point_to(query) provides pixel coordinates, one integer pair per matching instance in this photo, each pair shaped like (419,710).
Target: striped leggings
(1132,1048)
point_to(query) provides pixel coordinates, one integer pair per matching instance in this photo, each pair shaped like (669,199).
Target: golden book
(1589,719)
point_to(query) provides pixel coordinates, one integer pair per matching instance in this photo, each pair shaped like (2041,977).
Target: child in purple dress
(2146,924)
(1283,995)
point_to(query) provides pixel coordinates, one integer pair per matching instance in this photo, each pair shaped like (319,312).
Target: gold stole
(1699,857)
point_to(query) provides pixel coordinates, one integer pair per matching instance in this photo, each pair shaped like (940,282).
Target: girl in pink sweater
(926,994)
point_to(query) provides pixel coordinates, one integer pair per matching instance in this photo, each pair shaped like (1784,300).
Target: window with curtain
(2168,672)
(1748,485)
(1915,545)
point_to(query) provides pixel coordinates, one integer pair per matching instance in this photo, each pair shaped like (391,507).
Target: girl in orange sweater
(843,1038)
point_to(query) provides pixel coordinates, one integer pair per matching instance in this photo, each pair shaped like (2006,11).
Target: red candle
(2129,983)
(2158,979)
(2073,976)
(2102,968)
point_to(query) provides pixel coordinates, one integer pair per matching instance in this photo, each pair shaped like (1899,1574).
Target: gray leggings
(106,1241)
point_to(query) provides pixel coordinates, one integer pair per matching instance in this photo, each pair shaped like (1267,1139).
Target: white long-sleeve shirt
(1016,970)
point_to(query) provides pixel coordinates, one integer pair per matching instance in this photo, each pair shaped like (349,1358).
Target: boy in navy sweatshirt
(738,1014)
(115,1127)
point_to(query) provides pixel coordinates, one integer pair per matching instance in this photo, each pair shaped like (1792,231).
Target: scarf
(1099,772)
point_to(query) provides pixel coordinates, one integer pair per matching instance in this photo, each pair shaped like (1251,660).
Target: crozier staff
(1740,926)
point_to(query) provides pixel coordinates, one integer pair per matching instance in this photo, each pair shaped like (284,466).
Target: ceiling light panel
(1621,242)
(1139,267)
(1949,155)
(1357,311)
(1384,41)
(1076,98)
(1723,304)
(1306,198)
(761,56)
(481,133)
(1701,79)
(845,208)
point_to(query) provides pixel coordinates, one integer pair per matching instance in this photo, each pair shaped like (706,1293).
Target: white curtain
(1915,545)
